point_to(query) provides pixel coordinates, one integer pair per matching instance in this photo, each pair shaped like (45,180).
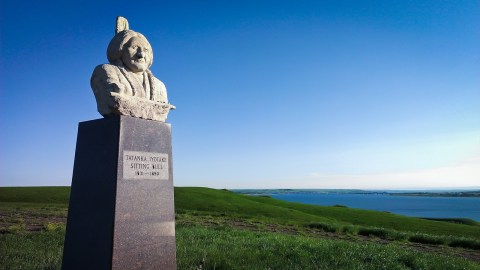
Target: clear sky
(269,94)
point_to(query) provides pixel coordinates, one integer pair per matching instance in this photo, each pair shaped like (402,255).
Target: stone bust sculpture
(126,86)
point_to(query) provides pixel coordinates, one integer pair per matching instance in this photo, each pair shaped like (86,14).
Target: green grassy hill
(220,202)
(225,203)
(59,195)
(220,229)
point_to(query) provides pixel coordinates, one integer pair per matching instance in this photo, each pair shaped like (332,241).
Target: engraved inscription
(145,165)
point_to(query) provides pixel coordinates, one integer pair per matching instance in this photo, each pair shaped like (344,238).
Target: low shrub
(398,236)
(349,229)
(426,239)
(383,233)
(17,228)
(17,220)
(465,243)
(51,227)
(373,231)
(465,221)
(324,227)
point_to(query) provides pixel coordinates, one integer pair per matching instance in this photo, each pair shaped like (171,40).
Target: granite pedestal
(121,213)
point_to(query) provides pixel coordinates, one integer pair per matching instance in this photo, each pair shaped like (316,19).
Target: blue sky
(269,94)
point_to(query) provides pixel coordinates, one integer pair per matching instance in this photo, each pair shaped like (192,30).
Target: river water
(415,206)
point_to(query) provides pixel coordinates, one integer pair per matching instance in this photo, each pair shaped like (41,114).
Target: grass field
(267,209)
(218,229)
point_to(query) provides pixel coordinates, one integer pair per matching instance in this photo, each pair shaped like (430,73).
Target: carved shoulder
(161,91)
(105,72)
(104,77)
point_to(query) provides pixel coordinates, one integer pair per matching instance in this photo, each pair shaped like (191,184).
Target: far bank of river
(415,206)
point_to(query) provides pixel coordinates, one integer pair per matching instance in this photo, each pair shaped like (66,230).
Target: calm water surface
(416,206)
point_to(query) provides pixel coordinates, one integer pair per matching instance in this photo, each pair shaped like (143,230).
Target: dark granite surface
(117,223)
(91,214)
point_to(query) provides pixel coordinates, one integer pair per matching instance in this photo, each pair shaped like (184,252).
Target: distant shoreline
(440,194)
(447,193)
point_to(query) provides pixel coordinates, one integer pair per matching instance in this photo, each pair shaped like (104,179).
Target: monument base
(121,213)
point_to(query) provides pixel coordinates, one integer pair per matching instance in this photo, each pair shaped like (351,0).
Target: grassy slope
(219,202)
(224,202)
(227,248)
(231,249)
(35,194)
(206,248)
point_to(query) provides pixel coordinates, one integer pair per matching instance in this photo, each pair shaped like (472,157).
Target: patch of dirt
(30,220)
(473,255)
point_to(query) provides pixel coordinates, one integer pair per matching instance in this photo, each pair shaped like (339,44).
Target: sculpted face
(135,55)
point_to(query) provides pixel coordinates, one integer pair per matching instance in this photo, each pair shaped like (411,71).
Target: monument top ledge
(126,86)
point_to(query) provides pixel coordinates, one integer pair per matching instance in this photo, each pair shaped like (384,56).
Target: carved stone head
(126,86)
(131,50)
